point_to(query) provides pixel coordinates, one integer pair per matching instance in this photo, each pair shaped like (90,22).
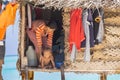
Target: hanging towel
(86,24)
(7,18)
(73,53)
(29,16)
(95,25)
(100,34)
(76,29)
(32,57)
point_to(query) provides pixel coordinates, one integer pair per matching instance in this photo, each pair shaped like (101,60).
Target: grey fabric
(100,34)
(2,51)
(29,16)
(73,53)
(32,57)
(87,34)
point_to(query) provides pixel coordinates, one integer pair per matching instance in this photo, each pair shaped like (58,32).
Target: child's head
(47,52)
(52,25)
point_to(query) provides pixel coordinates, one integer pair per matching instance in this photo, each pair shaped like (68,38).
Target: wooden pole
(62,72)
(22,34)
(1,62)
(103,76)
(30,75)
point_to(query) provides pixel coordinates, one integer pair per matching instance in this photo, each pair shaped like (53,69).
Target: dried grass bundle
(113,20)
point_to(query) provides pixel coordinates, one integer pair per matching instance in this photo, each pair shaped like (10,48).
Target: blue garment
(95,25)
(58,47)
(90,19)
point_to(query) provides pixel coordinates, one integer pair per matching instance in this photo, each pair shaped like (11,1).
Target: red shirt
(76,28)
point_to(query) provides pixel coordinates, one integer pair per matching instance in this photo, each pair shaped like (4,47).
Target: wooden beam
(62,72)
(103,76)
(22,34)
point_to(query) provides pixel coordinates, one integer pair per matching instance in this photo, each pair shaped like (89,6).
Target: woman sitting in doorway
(41,36)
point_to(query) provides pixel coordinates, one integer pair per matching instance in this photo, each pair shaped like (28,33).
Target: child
(47,60)
(41,35)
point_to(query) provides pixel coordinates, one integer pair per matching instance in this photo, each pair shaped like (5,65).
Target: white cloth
(87,34)
(1,43)
(100,34)
(29,16)
(73,53)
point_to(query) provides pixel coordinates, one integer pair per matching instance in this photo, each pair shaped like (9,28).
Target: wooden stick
(62,72)
(103,76)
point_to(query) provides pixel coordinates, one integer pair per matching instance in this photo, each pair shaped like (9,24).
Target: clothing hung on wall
(86,42)
(100,34)
(7,18)
(89,19)
(73,53)
(93,24)
(76,28)
(98,26)
(29,16)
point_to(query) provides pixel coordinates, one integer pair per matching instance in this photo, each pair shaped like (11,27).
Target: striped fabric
(40,32)
(50,37)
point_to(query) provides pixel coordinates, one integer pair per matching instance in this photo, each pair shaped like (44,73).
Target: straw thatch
(75,3)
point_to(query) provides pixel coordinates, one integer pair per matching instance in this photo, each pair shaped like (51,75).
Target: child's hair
(47,49)
(52,25)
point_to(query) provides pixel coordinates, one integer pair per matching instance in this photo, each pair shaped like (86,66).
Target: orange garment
(7,18)
(40,33)
(76,29)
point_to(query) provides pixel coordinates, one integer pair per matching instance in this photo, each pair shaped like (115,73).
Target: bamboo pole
(22,34)
(30,75)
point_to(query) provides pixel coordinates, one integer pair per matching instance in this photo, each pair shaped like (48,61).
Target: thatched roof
(76,3)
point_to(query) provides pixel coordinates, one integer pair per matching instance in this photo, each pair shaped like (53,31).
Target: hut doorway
(48,15)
